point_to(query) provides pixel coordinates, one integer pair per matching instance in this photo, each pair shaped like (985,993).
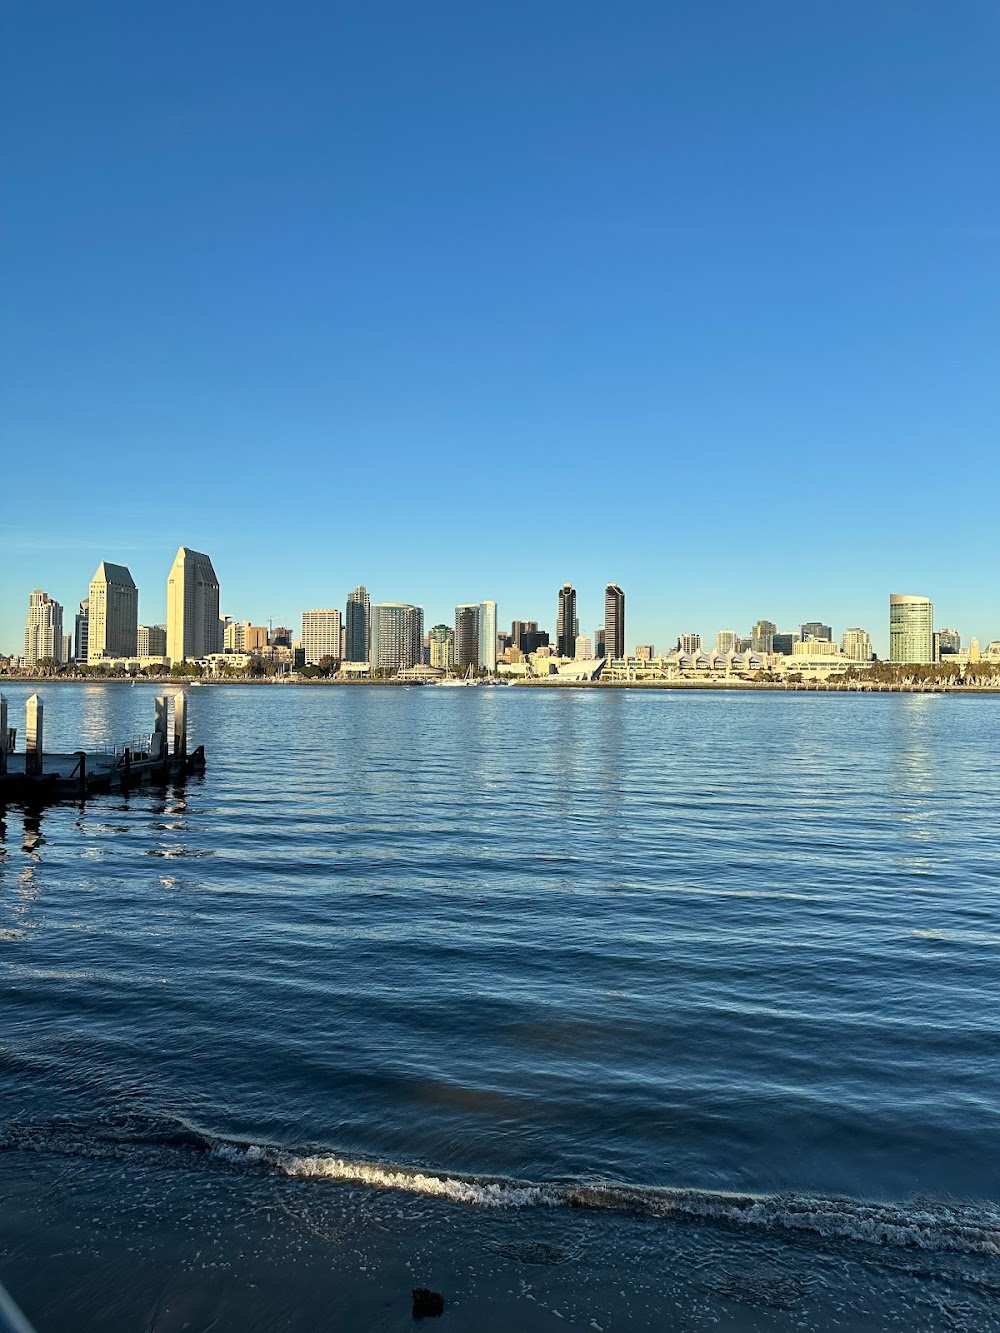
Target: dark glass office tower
(566,622)
(614,621)
(358,627)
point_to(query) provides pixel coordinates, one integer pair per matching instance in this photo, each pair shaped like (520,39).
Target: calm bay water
(408,973)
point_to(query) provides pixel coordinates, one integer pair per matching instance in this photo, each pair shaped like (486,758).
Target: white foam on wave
(968,1229)
(321,1166)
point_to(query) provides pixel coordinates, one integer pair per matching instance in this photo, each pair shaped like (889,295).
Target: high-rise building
(467,631)
(518,628)
(949,642)
(235,636)
(488,636)
(358,626)
(152,641)
(726,641)
(321,635)
(533,639)
(644,652)
(785,643)
(762,636)
(600,642)
(113,627)
(614,621)
(583,649)
(911,629)
(67,648)
(80,631)
(856,644)
(397,635)
(815,629)
(43,632)
(280,637)
(566,621)
(689,643)
(192,607)
(442,640)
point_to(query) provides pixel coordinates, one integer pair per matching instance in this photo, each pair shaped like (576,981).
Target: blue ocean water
(712,960)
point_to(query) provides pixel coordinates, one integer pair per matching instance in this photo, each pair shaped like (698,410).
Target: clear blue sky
(465,300)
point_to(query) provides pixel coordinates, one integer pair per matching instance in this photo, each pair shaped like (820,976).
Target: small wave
(483,1191)
(959,1228)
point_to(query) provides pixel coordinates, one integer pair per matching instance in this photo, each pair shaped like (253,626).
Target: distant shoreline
(709,686)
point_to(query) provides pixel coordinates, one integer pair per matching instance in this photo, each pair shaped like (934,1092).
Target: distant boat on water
(470,678)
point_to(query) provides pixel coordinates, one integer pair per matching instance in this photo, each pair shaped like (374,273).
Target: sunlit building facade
(911,629)
(43,631)
(397,636)
(113,618)
(321,634)
(193,626)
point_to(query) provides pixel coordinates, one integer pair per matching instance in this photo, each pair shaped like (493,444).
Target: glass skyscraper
(911,628)
(397,636)
(614,621)
(357,627)
(566,622)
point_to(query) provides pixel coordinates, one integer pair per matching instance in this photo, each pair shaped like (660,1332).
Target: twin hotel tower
(389,637)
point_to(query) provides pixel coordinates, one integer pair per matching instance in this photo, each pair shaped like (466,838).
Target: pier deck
(37,775)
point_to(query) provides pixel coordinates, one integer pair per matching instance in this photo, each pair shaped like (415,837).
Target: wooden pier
(34,775)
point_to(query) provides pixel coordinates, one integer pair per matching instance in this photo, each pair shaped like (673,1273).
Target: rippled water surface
(679,984)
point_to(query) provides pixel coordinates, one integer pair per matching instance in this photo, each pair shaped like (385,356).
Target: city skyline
(193,597)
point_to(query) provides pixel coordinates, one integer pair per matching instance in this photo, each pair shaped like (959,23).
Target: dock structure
(33,774)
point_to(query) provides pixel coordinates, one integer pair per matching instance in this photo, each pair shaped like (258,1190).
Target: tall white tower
(43,633)
(193,625)
(113,624)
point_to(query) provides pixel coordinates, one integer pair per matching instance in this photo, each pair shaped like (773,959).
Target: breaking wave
(959,1228)
(927,1225)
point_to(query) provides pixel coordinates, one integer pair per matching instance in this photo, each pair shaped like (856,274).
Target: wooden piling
(34,715)
(3,734)
(180,726)
(161,744)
